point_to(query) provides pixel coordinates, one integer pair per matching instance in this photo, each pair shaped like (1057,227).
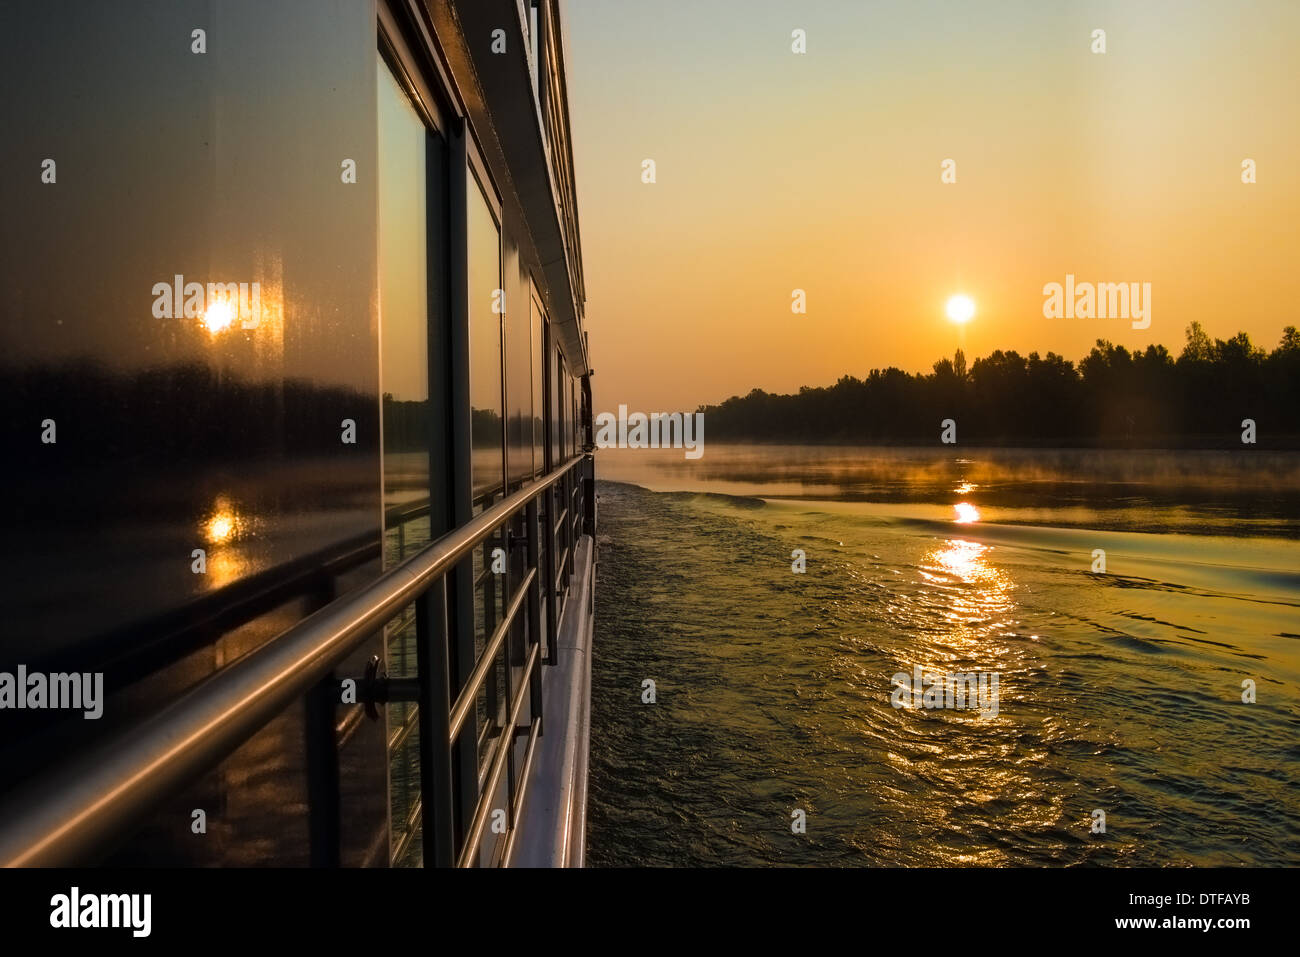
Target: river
(774,739)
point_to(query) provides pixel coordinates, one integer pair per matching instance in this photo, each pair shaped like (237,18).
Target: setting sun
(961,309)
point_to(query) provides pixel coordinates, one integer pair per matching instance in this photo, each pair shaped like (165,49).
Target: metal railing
(65,815)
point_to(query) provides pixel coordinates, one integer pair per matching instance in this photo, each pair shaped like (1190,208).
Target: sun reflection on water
(966,513)
(982,595)
(963,559)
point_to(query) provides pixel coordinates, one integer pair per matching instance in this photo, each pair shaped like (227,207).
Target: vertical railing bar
(562,537)
(508,728)
(434,673)
(324,811)
(489,624)
(552,618)
(568,487)
(532,530)
(589,496)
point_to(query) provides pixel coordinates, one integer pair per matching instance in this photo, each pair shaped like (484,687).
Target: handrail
(55,818)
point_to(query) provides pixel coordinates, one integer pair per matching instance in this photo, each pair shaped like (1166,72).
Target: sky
(821,171)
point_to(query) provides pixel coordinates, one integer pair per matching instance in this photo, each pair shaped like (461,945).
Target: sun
(961,309)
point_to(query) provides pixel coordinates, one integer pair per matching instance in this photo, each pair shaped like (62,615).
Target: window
(519,370)
(485,308)
(538,356)
(573,417)
(557,409)
(403,308)
(403,144)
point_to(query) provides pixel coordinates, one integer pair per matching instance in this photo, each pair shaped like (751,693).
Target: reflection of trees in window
(206,416)
(406,425)
(519,431)
(485,428)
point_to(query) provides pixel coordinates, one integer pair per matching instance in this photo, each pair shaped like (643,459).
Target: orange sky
(821,171)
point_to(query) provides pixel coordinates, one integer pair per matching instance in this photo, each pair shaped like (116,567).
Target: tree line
(1112,396)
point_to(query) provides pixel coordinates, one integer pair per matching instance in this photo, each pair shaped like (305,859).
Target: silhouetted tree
(1111,397)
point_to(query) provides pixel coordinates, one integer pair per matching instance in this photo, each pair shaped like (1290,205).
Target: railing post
(323,774)
(589,496)
(548,583)
(465,750)
(570,487)
(506,738)
(534,605)
(577,511)
(434,673)
(320,713)
(490,588)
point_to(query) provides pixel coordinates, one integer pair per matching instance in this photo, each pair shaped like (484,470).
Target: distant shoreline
(1216,394)
(1192,443)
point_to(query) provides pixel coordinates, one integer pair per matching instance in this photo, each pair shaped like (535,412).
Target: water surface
(1119,691)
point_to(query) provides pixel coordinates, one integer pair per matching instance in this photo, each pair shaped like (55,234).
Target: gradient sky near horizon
(821,171)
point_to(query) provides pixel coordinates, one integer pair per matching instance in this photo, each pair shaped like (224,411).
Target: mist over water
(1118,691)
